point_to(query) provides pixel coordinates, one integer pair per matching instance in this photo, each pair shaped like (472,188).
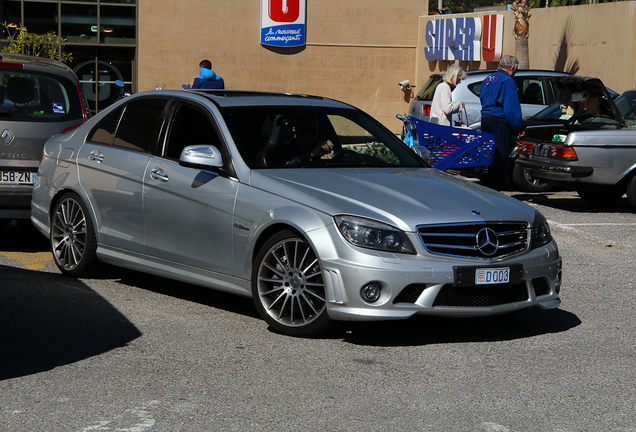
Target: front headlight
(540,231)
(372,234)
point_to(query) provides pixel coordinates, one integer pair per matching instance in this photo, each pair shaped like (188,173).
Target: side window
(140,125)
(104,131)
(531,91)
(475,88)
(190,126)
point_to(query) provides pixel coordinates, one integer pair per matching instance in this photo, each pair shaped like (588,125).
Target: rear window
(427,92)
(37,97)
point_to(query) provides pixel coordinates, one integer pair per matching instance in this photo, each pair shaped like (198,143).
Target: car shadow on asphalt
(571,202)
(184,291)
(21,236)
(58,322)
(418,330)
(426,330)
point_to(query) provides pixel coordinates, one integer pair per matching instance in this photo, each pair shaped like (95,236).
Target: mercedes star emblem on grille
(487,241)
(7,136)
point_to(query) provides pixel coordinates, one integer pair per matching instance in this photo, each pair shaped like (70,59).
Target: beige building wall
(356,50)
(595,40)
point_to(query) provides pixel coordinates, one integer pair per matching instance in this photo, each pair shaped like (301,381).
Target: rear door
(112,164)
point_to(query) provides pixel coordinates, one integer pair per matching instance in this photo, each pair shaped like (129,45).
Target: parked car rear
(40,98)
(586,143)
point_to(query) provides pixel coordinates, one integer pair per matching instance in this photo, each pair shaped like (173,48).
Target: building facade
(356,51)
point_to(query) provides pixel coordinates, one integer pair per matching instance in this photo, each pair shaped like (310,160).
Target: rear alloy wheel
(288,287)
(602,197)
(523,180)
(73,241)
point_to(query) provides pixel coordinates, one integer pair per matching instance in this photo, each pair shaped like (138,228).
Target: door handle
(96,156)
(159,175)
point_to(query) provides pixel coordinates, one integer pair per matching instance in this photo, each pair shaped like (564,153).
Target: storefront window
(41,18)
(79,23)
(9,13)
(100,36)
(118,24)
(98,69)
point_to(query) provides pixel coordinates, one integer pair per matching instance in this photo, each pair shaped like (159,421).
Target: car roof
(35,63)
(236,98)
(521,72)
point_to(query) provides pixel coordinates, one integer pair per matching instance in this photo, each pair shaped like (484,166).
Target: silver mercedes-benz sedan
(306,204)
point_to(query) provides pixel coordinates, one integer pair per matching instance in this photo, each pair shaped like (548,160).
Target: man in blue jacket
(207,79)
(501,115)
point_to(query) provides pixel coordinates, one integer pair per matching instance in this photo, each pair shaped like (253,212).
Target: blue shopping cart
(450,147)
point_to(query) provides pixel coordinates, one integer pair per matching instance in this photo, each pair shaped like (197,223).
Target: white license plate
(17,177)
(492,276)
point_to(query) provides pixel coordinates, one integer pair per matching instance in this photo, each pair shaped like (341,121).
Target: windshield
(304,136)
(626,103)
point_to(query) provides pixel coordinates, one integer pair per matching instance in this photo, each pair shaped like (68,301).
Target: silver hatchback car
(39,97)
(536,92)
(307,205)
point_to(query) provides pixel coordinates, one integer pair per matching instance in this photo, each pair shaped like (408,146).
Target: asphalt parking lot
(131,352)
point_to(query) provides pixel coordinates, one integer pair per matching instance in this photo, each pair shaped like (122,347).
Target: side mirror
(201,156)
(422,152)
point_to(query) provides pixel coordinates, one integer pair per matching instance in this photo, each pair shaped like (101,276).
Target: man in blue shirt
(501,115)
(207,79)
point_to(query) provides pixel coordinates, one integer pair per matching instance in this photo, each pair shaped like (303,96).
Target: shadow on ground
(184,291)
(569,201)
(57,322)
(419,330)
(425,330)
(21,236)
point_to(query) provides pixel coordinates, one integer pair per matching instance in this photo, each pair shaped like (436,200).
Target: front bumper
(426,285)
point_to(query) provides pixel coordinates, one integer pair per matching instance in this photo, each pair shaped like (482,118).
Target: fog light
(370,292)
(557,283)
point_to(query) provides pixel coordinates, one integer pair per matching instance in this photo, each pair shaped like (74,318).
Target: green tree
(22,42)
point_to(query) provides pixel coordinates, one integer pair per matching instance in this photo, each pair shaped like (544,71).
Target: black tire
(288,287)
(631,193)
(526,183)
(73,240)
(602,197)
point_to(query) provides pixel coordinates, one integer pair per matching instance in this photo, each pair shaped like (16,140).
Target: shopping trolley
(450,147)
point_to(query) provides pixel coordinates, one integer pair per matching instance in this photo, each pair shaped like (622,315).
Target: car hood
(404,198)
(570,86)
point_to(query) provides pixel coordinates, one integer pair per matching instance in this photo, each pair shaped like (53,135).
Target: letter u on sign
(284,10)
(493,38)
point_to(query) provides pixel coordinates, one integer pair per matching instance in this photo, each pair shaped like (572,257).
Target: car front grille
(485,240)
(481,296)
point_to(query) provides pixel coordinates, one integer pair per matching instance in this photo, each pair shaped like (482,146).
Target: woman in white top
(443,107)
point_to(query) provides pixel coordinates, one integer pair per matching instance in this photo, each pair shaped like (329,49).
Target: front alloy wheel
(288,286)
(73,240)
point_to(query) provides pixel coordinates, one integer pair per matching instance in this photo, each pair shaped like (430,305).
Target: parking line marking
(30,260)
(598,224)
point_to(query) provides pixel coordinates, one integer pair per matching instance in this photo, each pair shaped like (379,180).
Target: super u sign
(283,22)
(464,39)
